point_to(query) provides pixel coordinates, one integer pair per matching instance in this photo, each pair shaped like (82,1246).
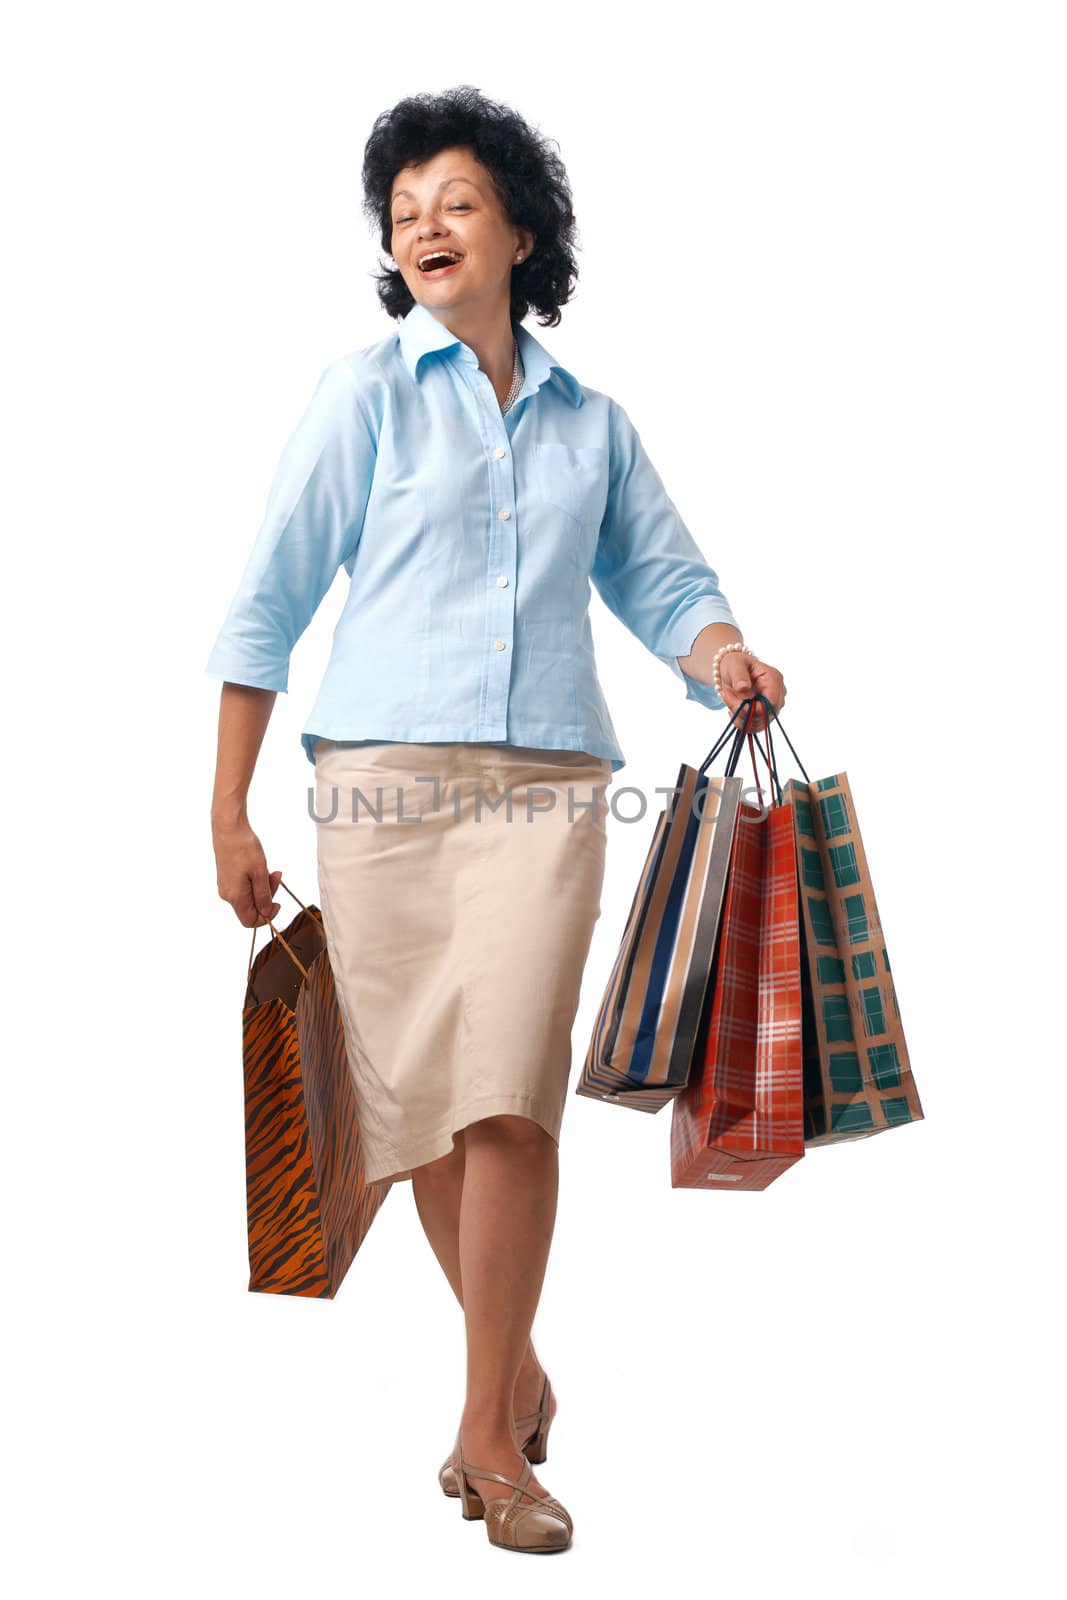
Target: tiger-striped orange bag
(309,1208)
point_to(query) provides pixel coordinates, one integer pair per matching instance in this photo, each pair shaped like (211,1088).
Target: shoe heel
(470,1500)
(536,1447)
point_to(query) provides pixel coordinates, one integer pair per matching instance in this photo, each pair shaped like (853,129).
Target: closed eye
(463,206)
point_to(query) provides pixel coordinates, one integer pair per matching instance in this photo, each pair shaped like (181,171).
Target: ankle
(487,1425)
(531,1369)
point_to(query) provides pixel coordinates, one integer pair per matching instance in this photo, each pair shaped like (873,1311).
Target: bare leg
(507,1215)
(438,1189)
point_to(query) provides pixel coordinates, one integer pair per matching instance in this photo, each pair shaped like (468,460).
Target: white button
(504,513)
(499,451)
(500,644)
(501,582)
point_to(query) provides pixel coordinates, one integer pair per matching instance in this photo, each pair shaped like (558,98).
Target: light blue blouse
(469,537)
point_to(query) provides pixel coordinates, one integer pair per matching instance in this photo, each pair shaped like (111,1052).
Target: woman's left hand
(743,677)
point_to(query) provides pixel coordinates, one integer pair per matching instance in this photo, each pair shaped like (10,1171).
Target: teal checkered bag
(857,1074)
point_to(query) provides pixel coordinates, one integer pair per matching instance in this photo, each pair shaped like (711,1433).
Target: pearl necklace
(518,377)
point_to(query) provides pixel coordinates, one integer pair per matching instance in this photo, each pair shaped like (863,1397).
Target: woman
(471,488)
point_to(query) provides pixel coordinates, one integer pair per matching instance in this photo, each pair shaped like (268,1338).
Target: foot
(497,1455)
(529,1387)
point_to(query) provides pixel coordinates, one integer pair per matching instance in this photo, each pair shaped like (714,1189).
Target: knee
(446,1166)
(515,1133)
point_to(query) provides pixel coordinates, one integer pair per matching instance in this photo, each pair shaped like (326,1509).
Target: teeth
(452,255)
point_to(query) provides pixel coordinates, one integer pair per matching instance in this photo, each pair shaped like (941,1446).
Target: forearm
(244,713)
(697,664)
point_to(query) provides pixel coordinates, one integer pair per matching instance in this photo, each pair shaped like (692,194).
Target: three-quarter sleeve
(648,568)
(315,510)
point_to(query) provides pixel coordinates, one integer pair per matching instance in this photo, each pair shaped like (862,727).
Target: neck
(492,339)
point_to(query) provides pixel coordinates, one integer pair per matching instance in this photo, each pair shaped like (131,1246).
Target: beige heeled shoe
(539,1526)
(534,1445)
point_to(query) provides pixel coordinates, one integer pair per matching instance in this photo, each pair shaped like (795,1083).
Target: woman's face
(450,204)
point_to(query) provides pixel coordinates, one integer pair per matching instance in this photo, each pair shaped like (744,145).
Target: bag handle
(742,731)
(772,714)
(769,761)
(276,935)
(738,732)
(747,707)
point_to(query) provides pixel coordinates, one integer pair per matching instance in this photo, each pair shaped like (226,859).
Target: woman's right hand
(243,879)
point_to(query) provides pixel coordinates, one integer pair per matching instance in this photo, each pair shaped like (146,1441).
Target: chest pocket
(574,478)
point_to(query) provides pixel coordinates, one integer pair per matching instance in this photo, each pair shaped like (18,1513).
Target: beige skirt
(459,885)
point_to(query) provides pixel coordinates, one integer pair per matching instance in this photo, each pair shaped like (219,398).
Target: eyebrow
(407,194)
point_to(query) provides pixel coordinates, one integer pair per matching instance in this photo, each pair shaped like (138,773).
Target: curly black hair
(530,179)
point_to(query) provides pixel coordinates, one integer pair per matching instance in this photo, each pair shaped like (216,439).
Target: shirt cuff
(233,668)
(684,635)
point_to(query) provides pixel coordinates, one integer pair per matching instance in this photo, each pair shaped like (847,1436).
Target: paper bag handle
(276,935)
(735,754)
(748,707)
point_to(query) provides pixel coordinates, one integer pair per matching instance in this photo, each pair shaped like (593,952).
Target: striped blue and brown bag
(643,1038)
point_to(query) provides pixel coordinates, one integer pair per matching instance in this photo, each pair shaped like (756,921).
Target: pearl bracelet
(735,644)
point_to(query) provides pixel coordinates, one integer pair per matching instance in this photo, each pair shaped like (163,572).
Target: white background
(831,238)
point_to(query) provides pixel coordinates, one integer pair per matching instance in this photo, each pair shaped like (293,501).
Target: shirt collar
(421,332)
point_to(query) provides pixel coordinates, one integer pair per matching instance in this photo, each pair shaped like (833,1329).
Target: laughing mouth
(436,260)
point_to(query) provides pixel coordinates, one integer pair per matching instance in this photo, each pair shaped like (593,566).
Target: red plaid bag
(739,1123)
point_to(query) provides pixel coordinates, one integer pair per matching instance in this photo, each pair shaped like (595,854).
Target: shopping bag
(738,1124)
(857,1078)
(642,1040)
(309,1207)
